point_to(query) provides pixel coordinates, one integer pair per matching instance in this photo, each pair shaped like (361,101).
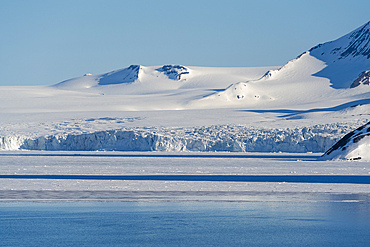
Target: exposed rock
(174,72)
(354,44)
(363,79)
(353,146)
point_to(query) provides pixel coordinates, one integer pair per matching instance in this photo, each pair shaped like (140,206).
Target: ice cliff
(232,138)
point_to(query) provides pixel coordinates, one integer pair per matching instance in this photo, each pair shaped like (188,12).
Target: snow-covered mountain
(138,79)
(131,74)
(353,146)
(345,59)
(339,64)
(312,77)
(326,85)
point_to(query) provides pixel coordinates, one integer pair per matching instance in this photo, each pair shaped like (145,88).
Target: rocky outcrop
(353,146)
(363,79)
(174,72)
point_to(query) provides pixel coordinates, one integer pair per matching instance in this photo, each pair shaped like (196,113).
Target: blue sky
(43,42)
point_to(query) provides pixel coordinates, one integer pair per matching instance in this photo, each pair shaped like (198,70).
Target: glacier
(229,138)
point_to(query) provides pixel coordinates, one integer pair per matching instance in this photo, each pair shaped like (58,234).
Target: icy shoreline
(67,172)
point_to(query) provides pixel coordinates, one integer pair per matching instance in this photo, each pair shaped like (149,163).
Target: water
(296,222)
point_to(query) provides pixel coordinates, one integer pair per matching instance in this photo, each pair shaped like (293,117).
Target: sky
(44,42)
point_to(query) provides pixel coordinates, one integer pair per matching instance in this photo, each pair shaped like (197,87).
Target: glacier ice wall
(231,138)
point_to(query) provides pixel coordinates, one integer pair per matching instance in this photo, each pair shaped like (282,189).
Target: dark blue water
(352,179)
(288,223)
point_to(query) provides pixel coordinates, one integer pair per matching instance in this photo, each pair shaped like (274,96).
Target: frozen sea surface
(34,173)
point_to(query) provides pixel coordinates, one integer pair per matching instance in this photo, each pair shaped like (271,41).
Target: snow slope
(312,77)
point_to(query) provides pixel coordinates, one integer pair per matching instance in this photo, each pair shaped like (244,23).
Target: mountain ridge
(358,44)
(306,79)
(345,58)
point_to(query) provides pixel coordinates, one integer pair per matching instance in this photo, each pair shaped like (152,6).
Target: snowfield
(68,175)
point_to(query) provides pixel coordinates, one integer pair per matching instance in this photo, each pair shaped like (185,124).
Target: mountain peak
(359,42)
(126,75)
(341,61)
(354,44)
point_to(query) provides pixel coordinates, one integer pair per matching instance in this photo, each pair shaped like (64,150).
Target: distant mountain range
(124,76)
(345,62)
(311,77)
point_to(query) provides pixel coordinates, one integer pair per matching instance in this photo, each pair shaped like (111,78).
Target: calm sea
(334,221)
